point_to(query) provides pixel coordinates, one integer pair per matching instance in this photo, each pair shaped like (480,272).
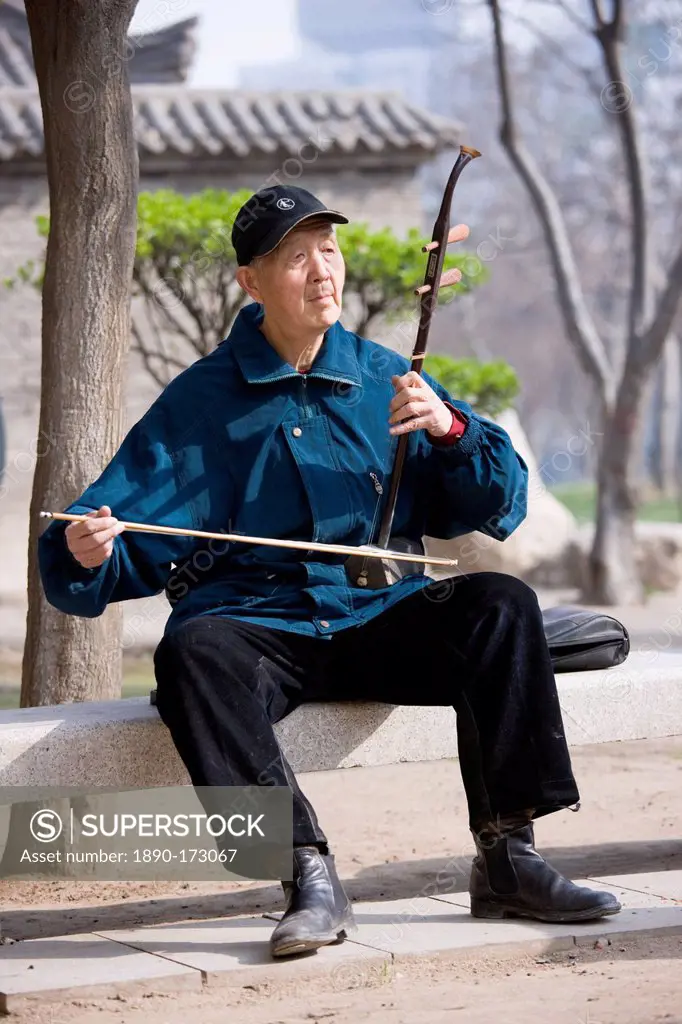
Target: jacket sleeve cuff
(468,443)
(457,428)
(76,569)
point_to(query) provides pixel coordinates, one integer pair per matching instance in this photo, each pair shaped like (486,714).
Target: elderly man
(287,430)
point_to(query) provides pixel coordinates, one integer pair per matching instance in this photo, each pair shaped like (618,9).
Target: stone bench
(124,743)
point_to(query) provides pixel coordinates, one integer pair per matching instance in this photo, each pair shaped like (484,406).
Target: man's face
(301,282)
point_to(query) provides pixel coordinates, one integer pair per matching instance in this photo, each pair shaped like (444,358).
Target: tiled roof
(157,57)
(222,127)
(164,56)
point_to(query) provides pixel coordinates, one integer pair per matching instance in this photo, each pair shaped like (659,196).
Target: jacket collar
(260,363)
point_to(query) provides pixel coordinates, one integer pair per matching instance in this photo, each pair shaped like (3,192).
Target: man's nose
(319,269)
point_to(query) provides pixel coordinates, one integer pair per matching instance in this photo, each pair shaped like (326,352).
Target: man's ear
(246,279)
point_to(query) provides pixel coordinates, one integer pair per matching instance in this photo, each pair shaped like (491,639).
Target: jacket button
(324,623)
(297,431)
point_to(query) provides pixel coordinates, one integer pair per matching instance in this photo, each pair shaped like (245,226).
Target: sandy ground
(636,983)
(392,829)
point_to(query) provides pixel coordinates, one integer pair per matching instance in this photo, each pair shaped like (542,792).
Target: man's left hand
(416,406)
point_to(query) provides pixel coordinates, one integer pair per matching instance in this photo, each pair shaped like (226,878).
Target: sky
(229,34)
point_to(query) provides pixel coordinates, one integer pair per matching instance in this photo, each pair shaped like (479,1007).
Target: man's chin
(327,316)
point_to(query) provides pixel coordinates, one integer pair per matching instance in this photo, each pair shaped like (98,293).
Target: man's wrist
(457,428)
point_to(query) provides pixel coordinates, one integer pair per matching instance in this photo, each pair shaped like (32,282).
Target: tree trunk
(92,170)
(654,431)
(672,398)
(661,420)
(613,577)
(678,438)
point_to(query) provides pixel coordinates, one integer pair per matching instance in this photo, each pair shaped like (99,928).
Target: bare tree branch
(148,286)
(619,105)
(169,360)
(139,346)
(225,310)
(651,344)
(611,568)
(569,12)
(228,307)
(204,311)
(598,12)
(579,324)
(560,53)
(617,17)
(184,281)
(192,305)
(159,351)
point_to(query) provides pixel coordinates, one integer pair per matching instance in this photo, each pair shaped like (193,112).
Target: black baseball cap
(269,215)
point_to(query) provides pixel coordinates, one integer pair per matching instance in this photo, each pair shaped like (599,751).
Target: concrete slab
(639,920)
(99,743)
(228,950)
(667,885)
(107,743)
(84,965)
(430,925)
(643,912)
(640,699)
(630,899)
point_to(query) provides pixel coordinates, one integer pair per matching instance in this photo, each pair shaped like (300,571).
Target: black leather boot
(318,912)
(510,879)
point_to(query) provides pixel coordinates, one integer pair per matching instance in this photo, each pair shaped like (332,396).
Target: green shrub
(487,387)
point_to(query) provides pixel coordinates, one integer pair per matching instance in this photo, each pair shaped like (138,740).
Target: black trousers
(475,643)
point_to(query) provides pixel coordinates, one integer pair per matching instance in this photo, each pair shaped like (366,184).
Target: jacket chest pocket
(324,481)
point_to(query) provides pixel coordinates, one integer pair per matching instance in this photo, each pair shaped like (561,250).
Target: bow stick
(302,545)
(428,292)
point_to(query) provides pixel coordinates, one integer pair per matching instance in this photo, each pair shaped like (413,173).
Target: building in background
(363,26)
(386,44)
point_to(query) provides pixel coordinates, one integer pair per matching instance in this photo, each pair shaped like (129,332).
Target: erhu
(375,572)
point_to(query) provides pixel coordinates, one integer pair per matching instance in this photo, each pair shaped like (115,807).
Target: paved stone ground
(233,952)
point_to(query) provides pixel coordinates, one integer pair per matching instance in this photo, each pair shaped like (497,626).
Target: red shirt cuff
(459,425)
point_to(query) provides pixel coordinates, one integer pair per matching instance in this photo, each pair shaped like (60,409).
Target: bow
(380,574)
(300,545)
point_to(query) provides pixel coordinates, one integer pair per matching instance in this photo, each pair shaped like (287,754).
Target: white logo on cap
(286,204)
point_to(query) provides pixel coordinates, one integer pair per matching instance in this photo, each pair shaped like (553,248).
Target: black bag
(580,639)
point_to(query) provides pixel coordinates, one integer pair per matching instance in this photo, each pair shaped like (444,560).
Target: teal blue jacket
(241,442)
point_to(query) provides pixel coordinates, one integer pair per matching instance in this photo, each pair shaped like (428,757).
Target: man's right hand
(92,541)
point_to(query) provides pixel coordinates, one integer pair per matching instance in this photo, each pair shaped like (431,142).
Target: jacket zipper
(307,411)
